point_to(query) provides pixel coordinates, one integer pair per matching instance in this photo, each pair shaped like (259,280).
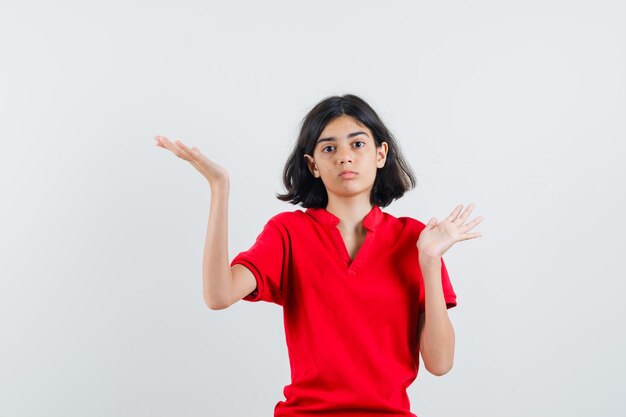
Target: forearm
(216,272)
(437,335)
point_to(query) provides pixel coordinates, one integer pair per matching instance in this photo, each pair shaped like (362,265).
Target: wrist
(429,261)
(221,185)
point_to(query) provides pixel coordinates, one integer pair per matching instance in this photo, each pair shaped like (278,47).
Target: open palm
(438,237)
(209,169)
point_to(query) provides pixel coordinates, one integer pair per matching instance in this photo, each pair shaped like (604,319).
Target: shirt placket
(353,266)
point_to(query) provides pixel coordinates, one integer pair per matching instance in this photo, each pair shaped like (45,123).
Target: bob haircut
(392,180)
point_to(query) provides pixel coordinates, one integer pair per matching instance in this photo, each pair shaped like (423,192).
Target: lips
(347,174)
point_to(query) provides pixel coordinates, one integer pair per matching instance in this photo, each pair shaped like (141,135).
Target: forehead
(342,125)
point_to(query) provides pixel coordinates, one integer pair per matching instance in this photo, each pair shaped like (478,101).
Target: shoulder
(287,219)
(405,221)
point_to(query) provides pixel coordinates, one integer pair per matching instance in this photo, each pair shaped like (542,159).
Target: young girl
(362,292)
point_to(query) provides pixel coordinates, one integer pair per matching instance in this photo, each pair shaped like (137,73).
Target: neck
(351,214)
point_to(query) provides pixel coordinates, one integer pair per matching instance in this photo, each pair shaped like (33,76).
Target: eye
(330,146)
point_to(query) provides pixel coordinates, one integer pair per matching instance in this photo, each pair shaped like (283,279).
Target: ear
(310,163)
(381,154)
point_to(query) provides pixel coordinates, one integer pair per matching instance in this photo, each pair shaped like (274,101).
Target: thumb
(431,223)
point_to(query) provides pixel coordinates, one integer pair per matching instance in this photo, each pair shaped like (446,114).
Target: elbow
(439,369)
(215,305)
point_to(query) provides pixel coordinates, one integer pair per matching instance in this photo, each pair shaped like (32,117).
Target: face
(346,144)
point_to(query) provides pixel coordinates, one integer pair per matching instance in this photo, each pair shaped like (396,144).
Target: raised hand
(438,237)
(213,172)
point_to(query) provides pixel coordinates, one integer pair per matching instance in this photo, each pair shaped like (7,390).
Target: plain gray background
(516,106)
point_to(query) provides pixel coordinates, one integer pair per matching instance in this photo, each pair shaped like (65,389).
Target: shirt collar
(325,217)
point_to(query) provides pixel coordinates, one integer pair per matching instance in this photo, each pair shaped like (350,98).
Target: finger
(192,153)
(177,149)
(454,213)
(473,223)
(432,223)
(468,236)
(165,143)
(182,145)
(466,213)
(473,235)
(478,219)
(174,146)
(158,141)
(429,224)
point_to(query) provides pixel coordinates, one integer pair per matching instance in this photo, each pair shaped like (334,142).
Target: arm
(216,272)
(223,285)
(435,334)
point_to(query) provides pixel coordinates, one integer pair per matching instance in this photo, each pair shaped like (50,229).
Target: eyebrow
(332,138)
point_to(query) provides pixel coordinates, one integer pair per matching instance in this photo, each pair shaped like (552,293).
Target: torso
(353,243)
(351,327)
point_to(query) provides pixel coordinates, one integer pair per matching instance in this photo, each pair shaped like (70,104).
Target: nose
(344,155)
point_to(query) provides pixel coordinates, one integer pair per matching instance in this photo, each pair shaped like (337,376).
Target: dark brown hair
(392,180)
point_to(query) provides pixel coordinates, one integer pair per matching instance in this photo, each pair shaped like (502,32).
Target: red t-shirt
(350,326)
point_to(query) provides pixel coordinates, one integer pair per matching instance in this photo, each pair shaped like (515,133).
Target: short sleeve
(448,291)
(267,260)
